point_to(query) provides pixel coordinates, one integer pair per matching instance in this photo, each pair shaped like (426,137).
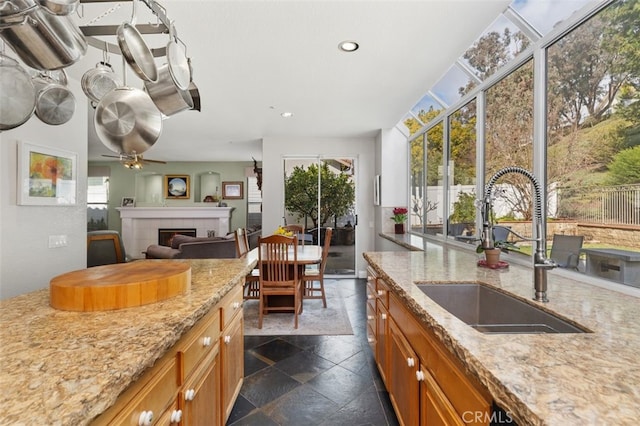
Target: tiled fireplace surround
(140,224)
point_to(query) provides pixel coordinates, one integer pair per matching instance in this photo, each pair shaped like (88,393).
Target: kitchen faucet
(540,262)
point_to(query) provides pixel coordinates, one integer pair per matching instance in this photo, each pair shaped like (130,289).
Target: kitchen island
(67,368)
(572,379)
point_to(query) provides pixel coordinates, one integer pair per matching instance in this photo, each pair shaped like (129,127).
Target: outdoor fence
(611,205)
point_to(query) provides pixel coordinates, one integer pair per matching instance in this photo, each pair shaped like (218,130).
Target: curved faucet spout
(540,262)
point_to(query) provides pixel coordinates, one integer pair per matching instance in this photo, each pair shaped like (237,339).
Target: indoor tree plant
(399,217)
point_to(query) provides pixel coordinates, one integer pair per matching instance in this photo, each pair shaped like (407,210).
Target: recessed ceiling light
(348,46)
(287,114)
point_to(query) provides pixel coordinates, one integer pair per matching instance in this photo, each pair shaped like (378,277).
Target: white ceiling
(253,60)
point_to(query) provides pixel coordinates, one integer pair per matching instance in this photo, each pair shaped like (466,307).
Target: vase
(399,228)
(492,256)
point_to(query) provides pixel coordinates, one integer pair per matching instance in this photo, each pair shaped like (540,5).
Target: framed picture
(176,186)
(128,202)
(46,176)
(232,190)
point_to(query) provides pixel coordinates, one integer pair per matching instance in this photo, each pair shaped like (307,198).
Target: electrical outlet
(56,241)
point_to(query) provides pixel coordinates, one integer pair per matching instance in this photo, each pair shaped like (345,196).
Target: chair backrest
(242,242)
(278,261)
(325,249)
(565,250)
(501,233)
(298,231)
(104,248)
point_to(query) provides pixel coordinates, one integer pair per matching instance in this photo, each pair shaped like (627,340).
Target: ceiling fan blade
(114,156)
(152,161)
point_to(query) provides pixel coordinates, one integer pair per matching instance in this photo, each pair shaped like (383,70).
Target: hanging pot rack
(91,32)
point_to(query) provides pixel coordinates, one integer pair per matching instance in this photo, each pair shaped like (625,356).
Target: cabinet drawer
(158,394)
(382,292)
(371,316)
(231,304)
(199,342)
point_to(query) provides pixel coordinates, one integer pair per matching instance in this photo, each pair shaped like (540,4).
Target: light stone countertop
(539,379)
(66,368)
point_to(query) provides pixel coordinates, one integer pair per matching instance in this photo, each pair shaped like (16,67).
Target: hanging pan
(55,103)
(100,80)
(59,7)
(178,63)
(18,99)
(134,49)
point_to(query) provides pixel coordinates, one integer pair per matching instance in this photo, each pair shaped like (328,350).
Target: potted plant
(492,256)
(399,217)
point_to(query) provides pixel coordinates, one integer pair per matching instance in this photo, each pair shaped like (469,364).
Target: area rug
(314,320)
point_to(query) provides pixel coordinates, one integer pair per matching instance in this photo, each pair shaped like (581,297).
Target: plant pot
(399,228)
(492,256)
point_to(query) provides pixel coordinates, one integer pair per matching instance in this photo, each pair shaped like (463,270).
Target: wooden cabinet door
(232,363)
(435,408)
(402,383)
(382,339)
(201,396)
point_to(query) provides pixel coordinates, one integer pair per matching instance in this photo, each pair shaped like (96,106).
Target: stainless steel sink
(492,311)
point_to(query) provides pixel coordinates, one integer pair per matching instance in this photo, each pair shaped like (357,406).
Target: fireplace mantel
(140,224)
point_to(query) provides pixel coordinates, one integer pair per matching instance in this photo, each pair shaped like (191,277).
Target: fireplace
(165,235)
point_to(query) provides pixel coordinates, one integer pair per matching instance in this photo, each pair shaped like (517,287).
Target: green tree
(625,167)
(301,193)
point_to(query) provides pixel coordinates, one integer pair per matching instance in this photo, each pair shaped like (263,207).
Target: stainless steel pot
(55,104)
(60,7)
(127,121)
(166,95)
(18,99)
(135,50)
(42,40)
(99,81)
(179,66)
(195,95)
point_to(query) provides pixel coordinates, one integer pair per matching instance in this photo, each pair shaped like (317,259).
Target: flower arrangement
(282,231)
(399,214)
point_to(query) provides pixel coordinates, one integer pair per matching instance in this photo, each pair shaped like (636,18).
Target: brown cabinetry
(196,382)
(426,384)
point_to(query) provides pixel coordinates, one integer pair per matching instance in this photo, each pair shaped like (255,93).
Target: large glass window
(434,208)
(416,183)
(593,146)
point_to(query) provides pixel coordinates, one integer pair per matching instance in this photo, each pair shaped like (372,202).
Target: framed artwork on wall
(176,186)
(128,202)
(232,190)
(46,176)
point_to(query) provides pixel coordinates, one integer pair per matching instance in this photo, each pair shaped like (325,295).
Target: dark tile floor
(314,380)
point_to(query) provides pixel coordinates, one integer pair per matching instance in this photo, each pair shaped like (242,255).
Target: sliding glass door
(319,192)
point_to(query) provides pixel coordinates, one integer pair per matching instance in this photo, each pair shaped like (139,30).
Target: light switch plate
(56,241)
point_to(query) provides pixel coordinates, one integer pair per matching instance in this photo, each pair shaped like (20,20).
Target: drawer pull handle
(370,317)
(206,341)
(383,316)
(419,375)
(370,296)
(411,362)
(189,395)
(380,292)
(227,339)
(370,339)
(176,416)
(236,305)
(145,419)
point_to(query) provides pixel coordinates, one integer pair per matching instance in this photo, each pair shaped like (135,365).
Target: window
(97,203)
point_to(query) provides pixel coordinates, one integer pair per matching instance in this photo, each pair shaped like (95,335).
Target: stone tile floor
(314,380)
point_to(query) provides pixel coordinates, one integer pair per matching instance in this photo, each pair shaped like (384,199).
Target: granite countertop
(539,379)
(66,368)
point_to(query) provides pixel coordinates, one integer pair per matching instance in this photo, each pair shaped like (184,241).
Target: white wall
(362,149)
(26,262)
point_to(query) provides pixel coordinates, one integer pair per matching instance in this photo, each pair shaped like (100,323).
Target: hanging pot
(135,50)
(42,40)
(127,121)
(99,81)
(59,7)
(18,100)
(55,104)
(166,95)
(179,64)
(195,95)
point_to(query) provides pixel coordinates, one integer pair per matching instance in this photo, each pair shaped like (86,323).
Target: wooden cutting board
(118,286)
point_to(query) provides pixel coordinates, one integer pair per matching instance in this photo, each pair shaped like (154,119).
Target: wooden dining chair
(251,288)
(298,231)
(279,276)
(311,275)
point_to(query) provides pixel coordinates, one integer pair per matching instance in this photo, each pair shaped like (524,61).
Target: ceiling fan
(133,160)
